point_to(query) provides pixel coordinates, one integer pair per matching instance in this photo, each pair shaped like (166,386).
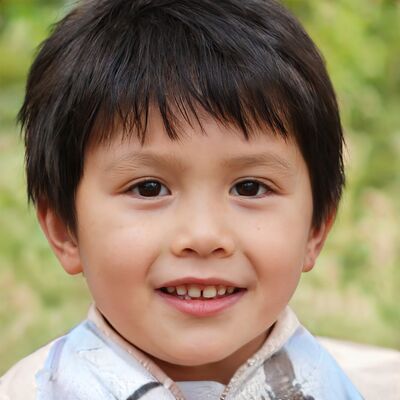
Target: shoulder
(18,383)
(316,370)
(374,370)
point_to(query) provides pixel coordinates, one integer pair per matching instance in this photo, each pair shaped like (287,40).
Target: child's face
(199,222)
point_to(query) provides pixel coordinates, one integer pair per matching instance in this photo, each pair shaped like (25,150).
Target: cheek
(115,253)
(277,256)
(276,249)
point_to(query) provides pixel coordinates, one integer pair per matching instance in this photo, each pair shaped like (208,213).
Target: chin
(197,356)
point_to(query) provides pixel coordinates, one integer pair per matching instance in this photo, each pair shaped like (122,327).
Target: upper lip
(200,281)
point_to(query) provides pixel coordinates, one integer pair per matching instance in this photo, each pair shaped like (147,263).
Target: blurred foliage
(353,293)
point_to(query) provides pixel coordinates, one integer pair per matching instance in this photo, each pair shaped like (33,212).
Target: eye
(149,188)
(251,188)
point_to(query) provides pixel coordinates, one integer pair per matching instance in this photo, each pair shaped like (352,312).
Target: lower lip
(202,308)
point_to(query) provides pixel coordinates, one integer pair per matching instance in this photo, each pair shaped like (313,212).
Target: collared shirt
(94,362)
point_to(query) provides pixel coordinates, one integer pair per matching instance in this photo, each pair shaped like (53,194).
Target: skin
(199,224)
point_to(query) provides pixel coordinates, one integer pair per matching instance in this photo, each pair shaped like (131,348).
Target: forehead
(208,141)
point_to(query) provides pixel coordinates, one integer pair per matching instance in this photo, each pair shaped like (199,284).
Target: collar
(282,330)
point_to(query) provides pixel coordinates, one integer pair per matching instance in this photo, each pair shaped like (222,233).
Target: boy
(149,126)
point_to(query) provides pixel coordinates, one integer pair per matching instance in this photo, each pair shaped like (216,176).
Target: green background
(354,291)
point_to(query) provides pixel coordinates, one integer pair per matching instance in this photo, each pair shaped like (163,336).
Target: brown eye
(149,189)
(250,188)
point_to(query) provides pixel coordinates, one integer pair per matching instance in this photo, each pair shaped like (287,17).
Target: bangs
(184,89)
(169,58)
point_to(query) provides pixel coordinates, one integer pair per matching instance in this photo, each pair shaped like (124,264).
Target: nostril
(188,251)
(220,252)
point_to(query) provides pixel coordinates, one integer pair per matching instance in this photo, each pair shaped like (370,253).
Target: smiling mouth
(200,292)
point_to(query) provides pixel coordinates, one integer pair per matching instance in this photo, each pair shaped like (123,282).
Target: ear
(316,241)
(62,241)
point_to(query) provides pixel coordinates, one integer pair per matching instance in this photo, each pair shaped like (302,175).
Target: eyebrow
(263,159)
(135,160)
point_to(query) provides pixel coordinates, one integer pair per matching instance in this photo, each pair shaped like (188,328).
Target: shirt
(94,362)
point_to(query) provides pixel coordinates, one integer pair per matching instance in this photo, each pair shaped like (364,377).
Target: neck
(220,371)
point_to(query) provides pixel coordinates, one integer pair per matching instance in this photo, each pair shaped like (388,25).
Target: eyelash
(268,190)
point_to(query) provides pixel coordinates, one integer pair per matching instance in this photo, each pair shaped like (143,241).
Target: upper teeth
(195,291)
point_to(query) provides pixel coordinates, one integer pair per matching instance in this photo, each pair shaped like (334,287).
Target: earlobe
(60,238)
(316,241)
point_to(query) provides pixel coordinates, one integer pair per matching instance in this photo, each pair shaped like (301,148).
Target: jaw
(219,370)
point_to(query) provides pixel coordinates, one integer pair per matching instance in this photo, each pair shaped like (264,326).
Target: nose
(202,231)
